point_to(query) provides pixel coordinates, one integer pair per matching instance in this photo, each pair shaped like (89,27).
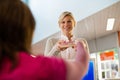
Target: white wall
(104,43)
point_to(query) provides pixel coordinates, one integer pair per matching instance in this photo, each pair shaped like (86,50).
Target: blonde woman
(65,46)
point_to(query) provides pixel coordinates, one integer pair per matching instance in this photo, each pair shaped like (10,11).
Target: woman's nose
(66,24)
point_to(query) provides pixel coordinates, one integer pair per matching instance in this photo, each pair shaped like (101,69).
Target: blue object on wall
(90,74)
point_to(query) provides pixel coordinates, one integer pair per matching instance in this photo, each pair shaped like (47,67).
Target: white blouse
(68,54)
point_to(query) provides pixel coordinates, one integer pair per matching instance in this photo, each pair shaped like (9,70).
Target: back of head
(16,28)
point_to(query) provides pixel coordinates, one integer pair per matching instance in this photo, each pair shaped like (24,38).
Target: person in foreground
(64,46)
(17,26)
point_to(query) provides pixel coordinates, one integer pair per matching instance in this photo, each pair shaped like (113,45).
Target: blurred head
(16,28)
(66,22)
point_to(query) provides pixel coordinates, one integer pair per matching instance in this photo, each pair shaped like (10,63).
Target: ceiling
(94,26)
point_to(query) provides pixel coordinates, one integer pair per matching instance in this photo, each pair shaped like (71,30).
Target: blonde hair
(64,14)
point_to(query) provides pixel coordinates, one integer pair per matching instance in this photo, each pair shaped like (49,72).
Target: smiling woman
(65,46)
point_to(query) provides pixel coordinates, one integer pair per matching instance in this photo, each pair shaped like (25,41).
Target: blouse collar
(65,38)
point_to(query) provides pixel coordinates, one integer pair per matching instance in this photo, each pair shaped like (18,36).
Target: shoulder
(41,61)
(81,39)
(53,67)
(52,39)
(51,61)
(41,64)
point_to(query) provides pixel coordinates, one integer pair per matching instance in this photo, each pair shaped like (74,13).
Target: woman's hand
(81,41)
(63,45)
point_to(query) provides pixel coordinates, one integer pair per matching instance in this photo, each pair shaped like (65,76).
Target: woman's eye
(63,22)
(69,21)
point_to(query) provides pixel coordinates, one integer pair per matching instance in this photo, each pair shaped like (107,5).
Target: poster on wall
(109,65)
(114,70)
(107,56)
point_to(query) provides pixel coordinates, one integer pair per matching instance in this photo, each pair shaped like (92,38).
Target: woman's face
(67,25)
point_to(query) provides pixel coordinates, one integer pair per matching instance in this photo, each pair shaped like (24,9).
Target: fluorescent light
(110,23)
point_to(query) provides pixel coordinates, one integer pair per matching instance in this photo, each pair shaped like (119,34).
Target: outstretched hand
(81,52)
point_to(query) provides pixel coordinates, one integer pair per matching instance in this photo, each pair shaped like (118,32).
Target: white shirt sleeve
(51,48)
